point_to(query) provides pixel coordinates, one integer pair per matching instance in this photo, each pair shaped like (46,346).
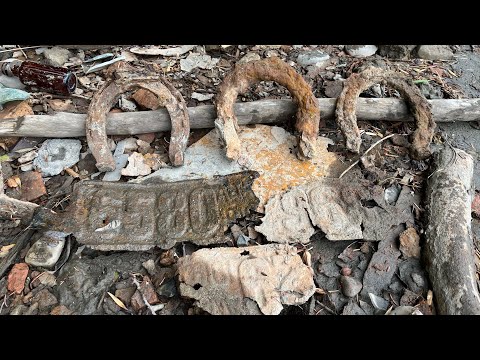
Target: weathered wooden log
(449,246)
(64,124)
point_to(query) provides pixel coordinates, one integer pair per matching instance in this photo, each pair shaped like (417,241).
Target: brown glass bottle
(52,79)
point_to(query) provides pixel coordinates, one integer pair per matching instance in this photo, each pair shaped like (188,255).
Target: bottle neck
(10,68)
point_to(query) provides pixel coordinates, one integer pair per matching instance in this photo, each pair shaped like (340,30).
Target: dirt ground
(86,281)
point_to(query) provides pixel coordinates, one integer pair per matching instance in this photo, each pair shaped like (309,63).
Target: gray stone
(350,286)
(352,308)
(11,82)
(392,193)
(435,52)
(397,52)
(251,56)
(120,158)
(333,89)
(360,50)
(82,283)
(32,310)
(201,97)
(57,154)
(383,265)
(46,251)
(56,56)
(149,265)
(413,275)
(314,57)
(168,288)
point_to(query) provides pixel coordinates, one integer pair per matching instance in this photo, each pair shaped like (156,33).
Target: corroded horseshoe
(107,95)
(270,69)
(347,105)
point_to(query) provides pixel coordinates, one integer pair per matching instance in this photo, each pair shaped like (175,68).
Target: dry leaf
(5,249)
(117,301)
(14,181)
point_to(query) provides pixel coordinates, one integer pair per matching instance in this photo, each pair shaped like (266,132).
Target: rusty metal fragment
(420,107)
(270,69)
(126,79)
(246,281)
(125,216)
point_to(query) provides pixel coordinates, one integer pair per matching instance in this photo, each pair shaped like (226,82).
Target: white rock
(361,50)
(126,105)
(11,82)
(27,157)
(136,166)
(202,97)
(46,251)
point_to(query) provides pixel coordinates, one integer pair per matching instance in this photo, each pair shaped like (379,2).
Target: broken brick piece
(32,185)
(146,99)
(16,278)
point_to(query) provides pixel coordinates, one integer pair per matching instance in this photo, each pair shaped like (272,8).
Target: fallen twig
(365,153)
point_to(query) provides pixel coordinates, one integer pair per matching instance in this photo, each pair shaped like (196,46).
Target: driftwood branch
(449,246)
(64,124)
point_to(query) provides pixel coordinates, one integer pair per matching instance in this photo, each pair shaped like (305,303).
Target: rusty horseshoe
(270,69)
(122,79)
(347,104)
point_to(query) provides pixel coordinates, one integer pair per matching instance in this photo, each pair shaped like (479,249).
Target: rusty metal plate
(125,216)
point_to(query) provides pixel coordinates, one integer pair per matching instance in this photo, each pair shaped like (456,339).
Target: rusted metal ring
(347,104)
(105,98)
(270,69)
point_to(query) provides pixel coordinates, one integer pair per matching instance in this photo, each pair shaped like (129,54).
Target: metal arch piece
(270,69)
(105,98)
(347,104)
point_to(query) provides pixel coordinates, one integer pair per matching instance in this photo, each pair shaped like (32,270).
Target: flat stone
(250,280)
(136,166)
(56,56)
(333,89)
(125,216)
(11,82)
(57,154)
(269,150)
(201,97)
(412,274)
(46,251)
(360,51)
(350,286)
(314,57)
(32,185)
(126,105)
(435,52)
(383,265)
